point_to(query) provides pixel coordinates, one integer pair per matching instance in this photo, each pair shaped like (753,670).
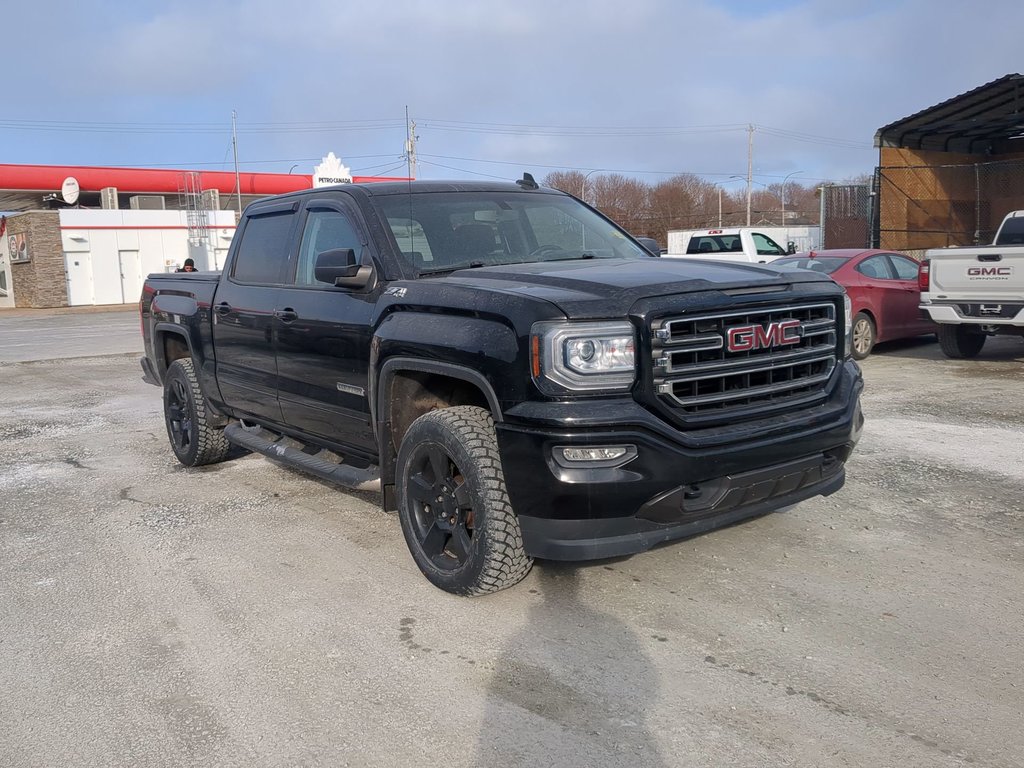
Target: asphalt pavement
(27,335)
(244,614)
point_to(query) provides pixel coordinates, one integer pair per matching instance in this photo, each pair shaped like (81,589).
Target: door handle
(286,315)
(223,308)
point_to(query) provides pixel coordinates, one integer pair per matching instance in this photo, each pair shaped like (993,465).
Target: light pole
(783,196)
(749,181)
(583,184)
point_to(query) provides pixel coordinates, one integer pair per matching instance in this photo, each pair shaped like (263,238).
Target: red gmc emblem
(745,338)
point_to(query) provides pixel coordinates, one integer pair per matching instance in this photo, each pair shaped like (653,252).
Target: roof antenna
(527,181)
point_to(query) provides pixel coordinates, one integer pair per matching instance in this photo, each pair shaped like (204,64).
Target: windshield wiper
(470,265)
(584,255)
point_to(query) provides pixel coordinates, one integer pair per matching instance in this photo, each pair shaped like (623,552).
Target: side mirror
(339,267)
(790,247)
(650,245)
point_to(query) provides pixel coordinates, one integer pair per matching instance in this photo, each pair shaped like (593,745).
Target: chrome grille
(792,355)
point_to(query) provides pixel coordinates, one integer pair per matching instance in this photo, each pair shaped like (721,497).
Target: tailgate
(994,273)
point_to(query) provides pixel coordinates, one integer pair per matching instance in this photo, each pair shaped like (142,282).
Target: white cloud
(815,67)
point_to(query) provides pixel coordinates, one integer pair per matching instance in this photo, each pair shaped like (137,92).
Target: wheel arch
(170,342)
(406,388)
(873,318)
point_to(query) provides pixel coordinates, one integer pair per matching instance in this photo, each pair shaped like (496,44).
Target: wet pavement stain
(836,708)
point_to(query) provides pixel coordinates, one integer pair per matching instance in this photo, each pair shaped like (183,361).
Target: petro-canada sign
(331,171)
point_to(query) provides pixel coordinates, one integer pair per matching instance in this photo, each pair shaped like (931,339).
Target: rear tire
(194,441)
(864,335)
(453,506)
(958,342)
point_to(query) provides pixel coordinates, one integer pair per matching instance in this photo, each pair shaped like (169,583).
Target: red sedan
(883,291)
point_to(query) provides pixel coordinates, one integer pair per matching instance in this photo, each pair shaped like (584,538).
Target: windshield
(826,265)
(443,231)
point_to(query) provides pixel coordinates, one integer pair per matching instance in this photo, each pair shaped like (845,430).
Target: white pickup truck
(735,244)
(975,292)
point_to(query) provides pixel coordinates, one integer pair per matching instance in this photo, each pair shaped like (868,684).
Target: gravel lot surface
(244,614)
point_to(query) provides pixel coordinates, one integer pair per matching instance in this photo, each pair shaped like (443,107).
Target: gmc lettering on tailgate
(989,273)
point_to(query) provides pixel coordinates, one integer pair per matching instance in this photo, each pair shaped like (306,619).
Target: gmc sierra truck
(974,292)
(517,375)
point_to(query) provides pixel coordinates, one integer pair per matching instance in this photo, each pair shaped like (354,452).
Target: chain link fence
(936,206)
(846,216)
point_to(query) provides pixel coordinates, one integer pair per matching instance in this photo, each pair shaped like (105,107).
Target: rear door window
(876,267)
(906,268)
(262,255)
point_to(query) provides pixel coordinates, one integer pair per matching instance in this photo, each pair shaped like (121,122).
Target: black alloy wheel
(194,439)
(453,505)
(440,506)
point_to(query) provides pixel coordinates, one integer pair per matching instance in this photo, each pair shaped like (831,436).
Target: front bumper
(677,484)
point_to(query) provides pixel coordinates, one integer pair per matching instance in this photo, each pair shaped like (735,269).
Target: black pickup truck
(520,376)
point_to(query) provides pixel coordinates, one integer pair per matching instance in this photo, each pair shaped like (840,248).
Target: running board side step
(274,446)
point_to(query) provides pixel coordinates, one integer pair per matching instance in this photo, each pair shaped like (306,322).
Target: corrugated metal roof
(981,120)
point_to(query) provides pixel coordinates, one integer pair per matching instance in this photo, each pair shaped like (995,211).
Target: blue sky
(644,87)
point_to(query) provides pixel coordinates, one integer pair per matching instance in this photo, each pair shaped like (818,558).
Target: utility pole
(234,148)
(750,166)
(719,207)
(410,145)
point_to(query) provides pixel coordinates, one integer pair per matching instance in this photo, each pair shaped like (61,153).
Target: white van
(735,244)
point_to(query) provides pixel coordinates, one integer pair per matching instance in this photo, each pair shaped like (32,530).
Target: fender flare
(162,329)
(394,365)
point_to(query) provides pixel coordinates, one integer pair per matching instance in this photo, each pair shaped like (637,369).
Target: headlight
(847,324)
(583,357)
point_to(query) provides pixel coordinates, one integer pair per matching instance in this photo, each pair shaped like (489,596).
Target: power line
(385,124)
(462,170)
(812,138)
(511,129)
(195,128)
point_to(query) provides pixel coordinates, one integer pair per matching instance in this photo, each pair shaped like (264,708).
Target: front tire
(453,506)
(194,440)
(864,335)
(958,342)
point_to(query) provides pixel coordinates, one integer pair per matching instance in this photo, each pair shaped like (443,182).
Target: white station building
(76,235)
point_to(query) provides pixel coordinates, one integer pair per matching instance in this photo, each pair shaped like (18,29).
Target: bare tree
(623,200)
(566,181)
(683,202)
(687,201)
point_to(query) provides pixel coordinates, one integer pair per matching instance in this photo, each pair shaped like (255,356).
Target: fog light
(602,453)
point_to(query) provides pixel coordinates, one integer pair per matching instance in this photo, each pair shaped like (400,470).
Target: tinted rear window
(828,266)
(715,244)
(263,251)
(1012,232)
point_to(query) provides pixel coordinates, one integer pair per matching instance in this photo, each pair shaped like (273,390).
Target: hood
(598,288)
